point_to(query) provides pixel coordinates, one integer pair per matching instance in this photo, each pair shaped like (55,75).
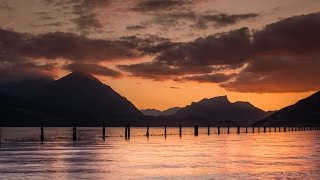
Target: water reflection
(248,156)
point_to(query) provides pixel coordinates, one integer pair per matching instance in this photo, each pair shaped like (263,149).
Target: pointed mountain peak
(80,76)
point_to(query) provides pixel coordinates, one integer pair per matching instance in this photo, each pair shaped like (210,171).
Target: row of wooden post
(196,130)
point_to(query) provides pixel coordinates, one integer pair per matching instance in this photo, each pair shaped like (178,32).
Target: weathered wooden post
(218,130)
(196,130)
(103,131)
(246,129)
(165,131)
(42,134)
(208,130)
(269,129)
(147,134)
(228,129)
(275,130)
(259,129)
(285,129)
(125,132)
(238,130)
(74,134)
(180,131)
(128,131)
(252,129)
(264,129)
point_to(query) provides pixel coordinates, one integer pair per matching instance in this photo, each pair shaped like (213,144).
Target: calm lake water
(291,155)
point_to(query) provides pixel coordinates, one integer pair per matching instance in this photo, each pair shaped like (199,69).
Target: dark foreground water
(290,155)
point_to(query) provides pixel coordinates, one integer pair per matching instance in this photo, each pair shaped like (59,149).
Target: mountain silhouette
(24,88)
(78,97)
(83,91)
(305,112)
(220,111)
(155,112)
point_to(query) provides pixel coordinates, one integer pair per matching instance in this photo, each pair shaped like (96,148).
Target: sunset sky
(165,53)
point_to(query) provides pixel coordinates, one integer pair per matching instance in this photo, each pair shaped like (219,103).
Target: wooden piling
(259,129)
(264,129)
(275,129)
(196,128)
(228,129)
(165,131)
(218,130)
(285,129)
(42,134)
(252,129)
(269,129)
(180,131)
(129,131)
(246,129)
(238,130)
(74,134)
(147,134)
(104,132)
(208,130)
(126,132)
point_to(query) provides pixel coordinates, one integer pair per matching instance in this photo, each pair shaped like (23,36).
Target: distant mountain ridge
(155,112)
(220,111)
(305,112)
